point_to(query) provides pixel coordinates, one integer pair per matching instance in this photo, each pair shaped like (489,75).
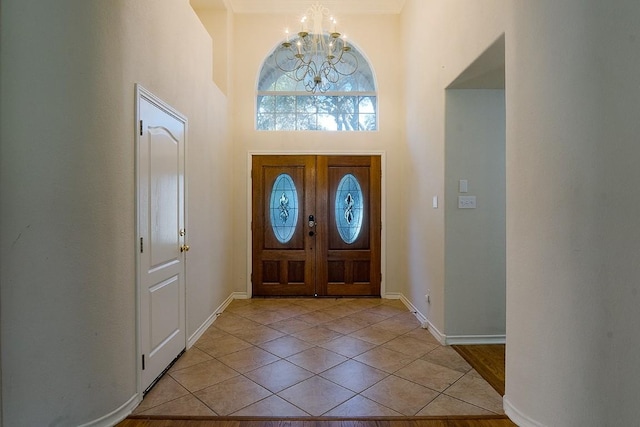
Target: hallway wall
(572,194)
(475,276)
(67,211)
(572,213)
(439,39)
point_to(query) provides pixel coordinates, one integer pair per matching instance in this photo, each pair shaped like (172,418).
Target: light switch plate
(467,202)
(463,186)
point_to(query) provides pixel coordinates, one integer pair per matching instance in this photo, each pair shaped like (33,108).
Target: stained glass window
(349,208)
(283,207)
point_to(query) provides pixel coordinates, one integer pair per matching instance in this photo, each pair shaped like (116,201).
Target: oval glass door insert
(349,208)
(283,208)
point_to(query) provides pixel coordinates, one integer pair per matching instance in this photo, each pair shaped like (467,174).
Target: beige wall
(572,212)
(475,283)
(67,257)
(249,53)
(439,40)
(217,24)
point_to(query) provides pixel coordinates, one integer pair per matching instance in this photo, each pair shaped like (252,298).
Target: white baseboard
(412,308)
(392,295)
(198,333)
(426,324)
(516,416)
(118,415)
(240,295)
(475,339)
(443,338)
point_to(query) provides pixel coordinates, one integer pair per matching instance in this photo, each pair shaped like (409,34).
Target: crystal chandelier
(316,57)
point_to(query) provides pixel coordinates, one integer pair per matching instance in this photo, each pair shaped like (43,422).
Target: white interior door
(161,239)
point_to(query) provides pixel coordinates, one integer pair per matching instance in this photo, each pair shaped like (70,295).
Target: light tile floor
(320,357)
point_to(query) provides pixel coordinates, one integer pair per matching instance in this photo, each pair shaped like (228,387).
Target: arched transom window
(284,104)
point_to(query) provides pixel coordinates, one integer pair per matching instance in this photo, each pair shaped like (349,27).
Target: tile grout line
(319,374)
(318,344)
(353,359)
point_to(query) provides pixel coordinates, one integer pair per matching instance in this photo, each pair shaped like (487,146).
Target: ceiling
(299,6)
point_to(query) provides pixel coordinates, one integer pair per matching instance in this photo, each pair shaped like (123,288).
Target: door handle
(312,221)
(184,248)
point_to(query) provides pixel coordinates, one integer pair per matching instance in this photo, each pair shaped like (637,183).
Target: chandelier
(317,56)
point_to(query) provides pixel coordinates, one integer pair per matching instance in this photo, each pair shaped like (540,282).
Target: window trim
(294,93)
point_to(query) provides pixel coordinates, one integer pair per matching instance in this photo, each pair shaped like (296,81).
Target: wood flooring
(487,360)
(497,421)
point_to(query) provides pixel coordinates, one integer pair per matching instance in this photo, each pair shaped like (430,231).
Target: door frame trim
(383,207)
(140,93)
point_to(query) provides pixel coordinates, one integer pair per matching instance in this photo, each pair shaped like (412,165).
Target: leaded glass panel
(283,207)
(327,122)
(367,121)
(306,104)
(266,103)
(325,104)
(346,104)
(286,122)
(341,108)
(306,122)
(331,113)
(266,122)
(285,104)
(367,104)
(349,210)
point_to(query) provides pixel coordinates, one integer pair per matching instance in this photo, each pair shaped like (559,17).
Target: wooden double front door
(316,225)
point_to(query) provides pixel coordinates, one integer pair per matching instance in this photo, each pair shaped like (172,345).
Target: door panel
(161,267)
(164,193)
(338,191)
(283,263)
(350,268)
(165,312)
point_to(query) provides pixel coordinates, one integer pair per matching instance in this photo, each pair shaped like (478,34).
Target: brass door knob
(184,248)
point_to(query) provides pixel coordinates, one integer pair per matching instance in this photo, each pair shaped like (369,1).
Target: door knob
(184,248)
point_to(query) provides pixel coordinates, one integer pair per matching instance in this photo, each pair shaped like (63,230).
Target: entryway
(316,225)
